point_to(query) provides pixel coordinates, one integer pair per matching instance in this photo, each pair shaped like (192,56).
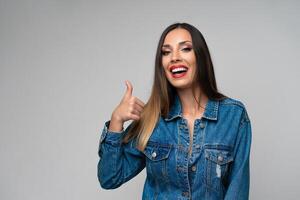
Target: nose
(175,56)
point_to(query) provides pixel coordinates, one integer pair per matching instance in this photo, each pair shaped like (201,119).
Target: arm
(239,178)
(118,162)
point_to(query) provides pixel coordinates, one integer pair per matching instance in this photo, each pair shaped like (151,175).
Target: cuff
(110,136)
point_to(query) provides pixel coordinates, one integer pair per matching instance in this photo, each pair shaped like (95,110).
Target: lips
(178,71)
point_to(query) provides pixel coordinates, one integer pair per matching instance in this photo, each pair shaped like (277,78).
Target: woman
(194,141)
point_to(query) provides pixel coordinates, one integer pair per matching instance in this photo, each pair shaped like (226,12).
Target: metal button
(153,154)
(220,158)
(202,125)
(185,194)
(194,168)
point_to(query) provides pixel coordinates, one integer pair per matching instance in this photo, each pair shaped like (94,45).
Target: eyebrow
(180,43)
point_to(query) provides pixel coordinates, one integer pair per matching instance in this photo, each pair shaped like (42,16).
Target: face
(178,58)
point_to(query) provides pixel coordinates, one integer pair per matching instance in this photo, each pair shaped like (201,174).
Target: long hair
(163,93)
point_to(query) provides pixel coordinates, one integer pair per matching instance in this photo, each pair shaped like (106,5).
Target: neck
(189,104)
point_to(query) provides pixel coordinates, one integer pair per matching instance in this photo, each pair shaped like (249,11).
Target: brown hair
(163,93)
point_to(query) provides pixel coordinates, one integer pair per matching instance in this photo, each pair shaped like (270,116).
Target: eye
(187,49)
(164,53)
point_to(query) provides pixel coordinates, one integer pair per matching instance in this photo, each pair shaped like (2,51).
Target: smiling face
(178,58)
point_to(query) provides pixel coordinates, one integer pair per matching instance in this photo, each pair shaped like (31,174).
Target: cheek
(164,62)
(166,73)
(164,65)
(191,58)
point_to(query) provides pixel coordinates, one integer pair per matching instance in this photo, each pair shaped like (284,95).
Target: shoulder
(229,101)
(235,104)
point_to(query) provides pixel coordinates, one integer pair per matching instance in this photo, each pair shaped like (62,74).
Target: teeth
(179,69)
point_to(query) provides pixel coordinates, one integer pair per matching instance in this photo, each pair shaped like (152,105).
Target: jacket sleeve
(118,162)
(239,178)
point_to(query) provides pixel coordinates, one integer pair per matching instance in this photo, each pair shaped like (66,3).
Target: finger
(134,117)
(136,112)
(128,89)
(135,109)
(138,107)
(138,101)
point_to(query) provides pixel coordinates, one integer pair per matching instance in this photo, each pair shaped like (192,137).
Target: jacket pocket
(217,162)
(157,159)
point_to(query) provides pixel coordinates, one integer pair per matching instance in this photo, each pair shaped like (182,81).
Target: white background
(63,65)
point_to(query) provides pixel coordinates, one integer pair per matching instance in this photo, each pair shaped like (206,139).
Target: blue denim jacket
(217,168)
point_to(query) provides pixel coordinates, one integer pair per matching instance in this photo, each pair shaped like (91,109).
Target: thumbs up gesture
(129,108)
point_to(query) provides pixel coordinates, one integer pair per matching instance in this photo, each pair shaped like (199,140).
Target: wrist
(116,119)
(115,125)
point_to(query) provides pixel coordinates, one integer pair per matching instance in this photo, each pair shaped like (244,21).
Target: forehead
(176,36)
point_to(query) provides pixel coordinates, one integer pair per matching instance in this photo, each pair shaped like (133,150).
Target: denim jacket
(217,167)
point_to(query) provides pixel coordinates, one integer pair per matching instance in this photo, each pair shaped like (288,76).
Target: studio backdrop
(62,70)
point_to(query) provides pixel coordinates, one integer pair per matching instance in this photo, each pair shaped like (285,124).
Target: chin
(182,86)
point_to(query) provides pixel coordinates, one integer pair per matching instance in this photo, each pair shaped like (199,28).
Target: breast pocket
(157,159)
(217,161)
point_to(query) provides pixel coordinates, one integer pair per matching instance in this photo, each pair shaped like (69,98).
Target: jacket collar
(211,109)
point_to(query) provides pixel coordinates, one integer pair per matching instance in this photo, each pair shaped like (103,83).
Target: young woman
(193,140)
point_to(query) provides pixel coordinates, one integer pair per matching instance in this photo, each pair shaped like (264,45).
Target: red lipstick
(178,71)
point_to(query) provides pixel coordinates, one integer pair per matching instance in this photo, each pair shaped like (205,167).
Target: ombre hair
(163,93)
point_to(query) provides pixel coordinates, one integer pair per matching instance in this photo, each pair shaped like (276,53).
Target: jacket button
(194,168)
(220,158)
(153,154)
(185,194)
(202,125)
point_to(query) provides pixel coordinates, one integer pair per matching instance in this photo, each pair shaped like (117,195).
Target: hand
(130,108)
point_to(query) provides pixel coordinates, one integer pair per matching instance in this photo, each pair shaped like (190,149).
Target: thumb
(129,89)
